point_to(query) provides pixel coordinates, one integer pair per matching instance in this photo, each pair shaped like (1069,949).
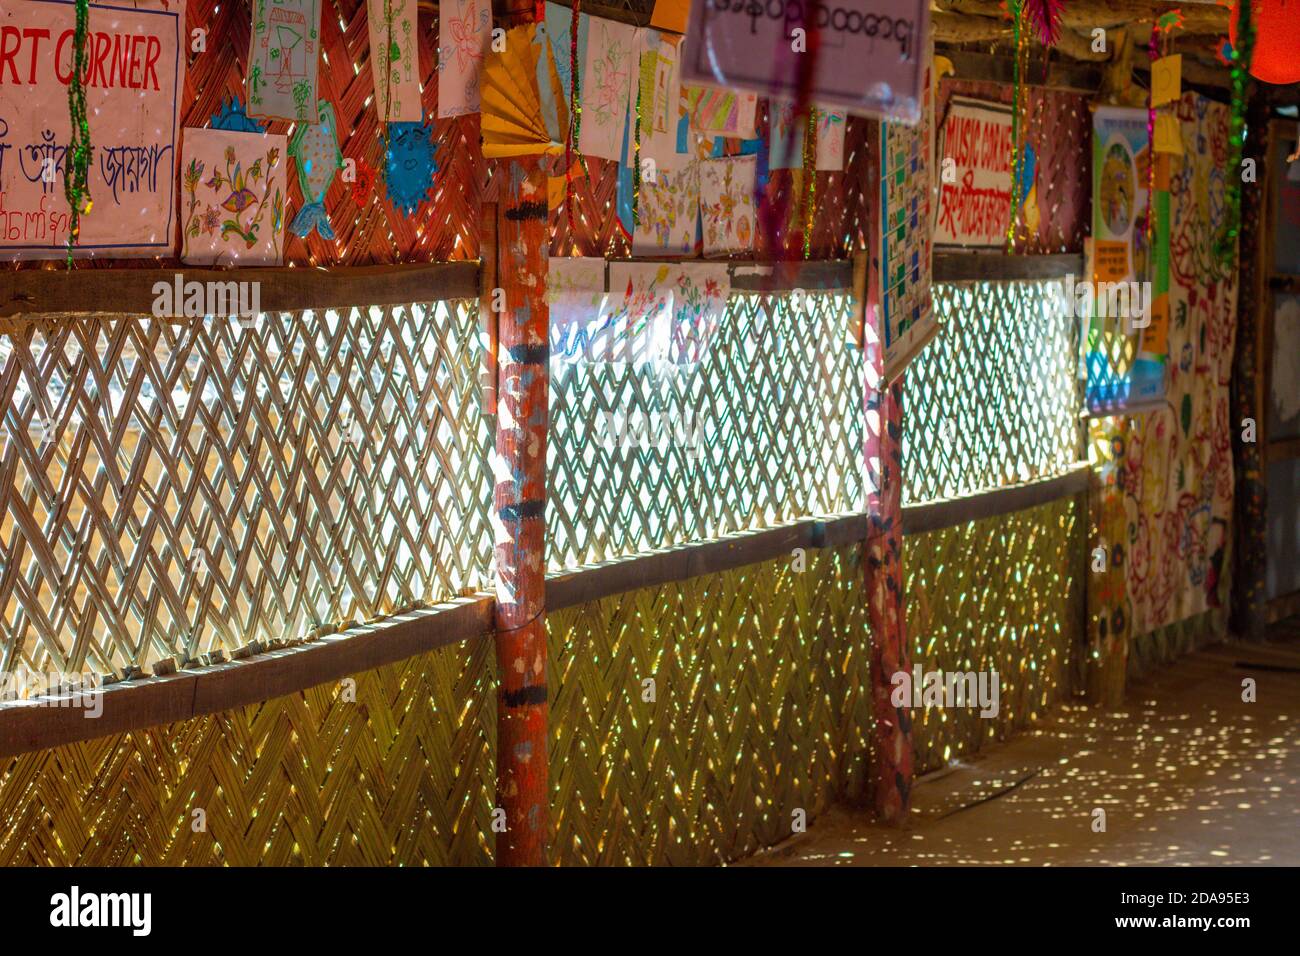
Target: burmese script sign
(135,69)
(975,150)
(871,53)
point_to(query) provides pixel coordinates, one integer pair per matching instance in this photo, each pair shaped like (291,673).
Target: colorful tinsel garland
(1226,247)
(77,171)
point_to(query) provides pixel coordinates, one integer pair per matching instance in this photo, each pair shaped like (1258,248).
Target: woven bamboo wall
(171,489)
(995,399)
(768,427)
(762,707)
(1004,593)
(403,774)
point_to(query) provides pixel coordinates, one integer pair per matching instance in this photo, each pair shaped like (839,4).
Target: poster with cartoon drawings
(283,59)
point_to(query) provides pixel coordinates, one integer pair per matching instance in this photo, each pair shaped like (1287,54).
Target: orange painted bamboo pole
(886,609)
(519,509)
(883,548)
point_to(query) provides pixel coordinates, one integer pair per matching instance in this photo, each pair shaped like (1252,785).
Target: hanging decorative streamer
(810,180)
(388,90)
(1241,54)
(79,148)
(636,159)
(385,141)
(1153,54)
(1046,17)
(1020,67)
(575,118)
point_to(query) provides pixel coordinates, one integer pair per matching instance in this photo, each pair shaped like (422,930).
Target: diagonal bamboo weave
(995,398)
(1004,593)
(765,429)
(761,707)
(402,774)
(167,489)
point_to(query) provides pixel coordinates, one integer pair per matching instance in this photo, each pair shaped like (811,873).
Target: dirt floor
(1187,773)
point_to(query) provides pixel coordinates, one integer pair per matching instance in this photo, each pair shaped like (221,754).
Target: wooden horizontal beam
(995,68)
(594,582)
(40,724)
(37,293)
(998,267)
(950,512)
(1282,449)
(1086,14)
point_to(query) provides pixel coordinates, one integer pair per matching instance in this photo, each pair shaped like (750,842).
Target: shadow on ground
(1188,774)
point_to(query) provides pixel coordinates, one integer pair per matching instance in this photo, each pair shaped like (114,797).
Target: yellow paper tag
(1166,79)
(1155,337)
(1169,137)
(1110,261)
(670,15)
(554,192)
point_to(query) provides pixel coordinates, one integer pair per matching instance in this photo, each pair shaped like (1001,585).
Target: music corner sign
(870,53)
(135,71)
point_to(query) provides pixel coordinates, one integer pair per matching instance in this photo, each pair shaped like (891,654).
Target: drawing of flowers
(239,186)
(467,38)
(190,182)
(610,89)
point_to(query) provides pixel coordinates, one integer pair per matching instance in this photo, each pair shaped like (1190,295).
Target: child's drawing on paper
(233,190)
(464,33)
(606,83)
(727,204)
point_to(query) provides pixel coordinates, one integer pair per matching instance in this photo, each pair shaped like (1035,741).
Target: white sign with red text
(134,75)
(974,160)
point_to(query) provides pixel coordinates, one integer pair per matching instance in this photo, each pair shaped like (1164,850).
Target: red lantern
(1276,57)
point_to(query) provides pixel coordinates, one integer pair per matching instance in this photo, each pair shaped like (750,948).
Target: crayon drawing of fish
(315,149)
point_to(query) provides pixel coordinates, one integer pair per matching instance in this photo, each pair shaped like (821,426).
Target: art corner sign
(134,77)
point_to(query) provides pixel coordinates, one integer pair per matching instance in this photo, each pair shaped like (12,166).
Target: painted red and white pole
(519,515)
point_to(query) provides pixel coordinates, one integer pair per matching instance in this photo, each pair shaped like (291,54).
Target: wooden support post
(883,549)
(885,606)
(1249,388)
(519,509)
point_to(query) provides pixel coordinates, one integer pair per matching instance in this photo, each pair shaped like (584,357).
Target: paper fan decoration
(513,124)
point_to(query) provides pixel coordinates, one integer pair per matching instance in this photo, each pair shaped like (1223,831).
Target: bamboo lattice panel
(402,775)
(762,706)
(170,488)
(1003,593)
(775,411)
(995,398)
